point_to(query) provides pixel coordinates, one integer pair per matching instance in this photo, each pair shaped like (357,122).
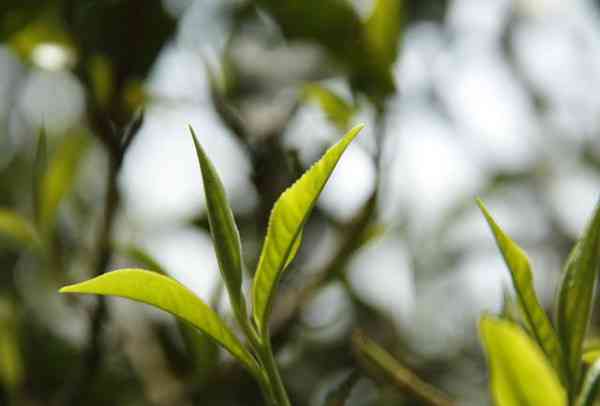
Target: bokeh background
(461,98)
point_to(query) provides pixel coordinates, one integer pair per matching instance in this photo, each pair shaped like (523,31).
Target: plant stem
(268,361)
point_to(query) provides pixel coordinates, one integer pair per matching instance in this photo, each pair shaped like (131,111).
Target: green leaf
(60,177)
(285,224)
(520,270)
(337,110)
(575,296)
(589,391)
(520,374)
(17,228)
(169,295)
(225,234)
(39,170)
(12,370)
(383,29)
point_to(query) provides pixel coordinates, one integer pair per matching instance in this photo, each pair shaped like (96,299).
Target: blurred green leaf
(142,257)
(589,391)
(226,237)
(573,307)
(40,167)
(101,79)
(287,219)
(520,374)
(383,29)
(60,177)
(521,274)
(12,370)
(337,110)
(17,228)
(169,295)
(384,364)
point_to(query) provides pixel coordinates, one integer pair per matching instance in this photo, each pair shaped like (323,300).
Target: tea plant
(283,239)
(533,361)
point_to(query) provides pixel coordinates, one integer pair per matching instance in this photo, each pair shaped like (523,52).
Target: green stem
(268,361)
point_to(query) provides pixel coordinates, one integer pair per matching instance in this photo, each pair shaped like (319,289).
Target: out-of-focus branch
(77,387)
(380,365)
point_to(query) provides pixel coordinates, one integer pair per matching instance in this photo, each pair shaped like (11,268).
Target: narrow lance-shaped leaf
(575,296)
(18,228)
(589,391)
(39,170)
(287,219)
(520,374)
(226,237)
(521,274)
(169,295)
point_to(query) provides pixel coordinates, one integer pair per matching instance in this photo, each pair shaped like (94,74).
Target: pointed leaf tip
(224,232)
(522,277)
(285,224)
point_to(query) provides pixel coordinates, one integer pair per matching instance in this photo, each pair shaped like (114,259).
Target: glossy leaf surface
(520,374)
(169,295)
(520,270)
(285,224)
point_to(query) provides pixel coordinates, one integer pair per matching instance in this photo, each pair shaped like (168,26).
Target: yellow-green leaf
(287,219)
(60,177)
(575,296)
(522,277)
(18,228)
(520,374)
(337,110)
(225,234)
(169,295)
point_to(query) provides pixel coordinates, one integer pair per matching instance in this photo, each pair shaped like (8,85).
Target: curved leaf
(169,295)
(589,391)
(226,237)
(287,219)
(17,228)
(520,270)
(575,296)
(520,374)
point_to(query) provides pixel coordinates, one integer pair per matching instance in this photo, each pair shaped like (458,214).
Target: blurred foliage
(267,66)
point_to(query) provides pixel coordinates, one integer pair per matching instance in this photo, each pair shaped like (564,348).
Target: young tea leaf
(285,224)
(169,295)
(226,237)
(589,391)
(383,30)
(520,374)
(575,296)
(521,274)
